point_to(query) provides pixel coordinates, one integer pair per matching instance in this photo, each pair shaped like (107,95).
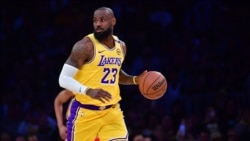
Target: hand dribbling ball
(153,85)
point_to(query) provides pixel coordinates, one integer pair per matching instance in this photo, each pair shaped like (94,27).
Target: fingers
(63,135)
(144,72)
(100,94)
(104,96)
(101,100)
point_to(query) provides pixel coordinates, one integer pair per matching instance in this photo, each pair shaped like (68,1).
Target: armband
(67,80)
(134,80)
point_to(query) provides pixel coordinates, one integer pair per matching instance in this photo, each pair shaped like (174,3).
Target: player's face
(103,25)
(102,34)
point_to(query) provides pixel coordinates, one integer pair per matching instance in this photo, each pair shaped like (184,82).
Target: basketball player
(93,73)
(62,97)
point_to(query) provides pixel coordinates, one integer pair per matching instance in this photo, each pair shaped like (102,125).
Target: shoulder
(84,43)
(83,47)
(81,52)
(122,43)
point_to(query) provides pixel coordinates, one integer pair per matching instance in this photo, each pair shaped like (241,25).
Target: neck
(109,41)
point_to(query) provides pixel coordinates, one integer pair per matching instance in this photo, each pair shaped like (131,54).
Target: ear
(113,20)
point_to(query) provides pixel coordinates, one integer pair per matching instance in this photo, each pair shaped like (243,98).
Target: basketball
(152,85)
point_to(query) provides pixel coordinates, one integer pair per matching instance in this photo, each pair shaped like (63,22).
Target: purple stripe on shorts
(70,123)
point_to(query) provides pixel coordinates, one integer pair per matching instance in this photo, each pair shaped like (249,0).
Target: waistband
(93,107)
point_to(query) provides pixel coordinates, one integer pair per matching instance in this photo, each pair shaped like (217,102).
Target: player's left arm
(124,78)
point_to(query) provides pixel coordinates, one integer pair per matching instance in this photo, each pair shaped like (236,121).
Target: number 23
(107,72)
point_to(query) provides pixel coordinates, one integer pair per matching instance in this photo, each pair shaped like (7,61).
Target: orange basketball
(153,85)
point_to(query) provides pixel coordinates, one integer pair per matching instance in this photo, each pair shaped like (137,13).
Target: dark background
(201,46)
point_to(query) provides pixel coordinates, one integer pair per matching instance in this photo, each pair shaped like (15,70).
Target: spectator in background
(232,135)
(185,131)
(143,137)
(5,136)
(29,125)
(242,126)
(136,137)
(20,138)
(231,113)
(33,137)
(212,123)
(47,126)
(204,135)
(151,137)
(168,128)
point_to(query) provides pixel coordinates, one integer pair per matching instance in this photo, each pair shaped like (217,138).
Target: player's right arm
(82,52)
(60,99)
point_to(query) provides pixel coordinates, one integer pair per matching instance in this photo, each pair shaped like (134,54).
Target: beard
(102,35)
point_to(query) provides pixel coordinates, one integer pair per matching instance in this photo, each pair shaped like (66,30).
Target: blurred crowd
(201,46)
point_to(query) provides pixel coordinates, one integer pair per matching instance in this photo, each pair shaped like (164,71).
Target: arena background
(201,46)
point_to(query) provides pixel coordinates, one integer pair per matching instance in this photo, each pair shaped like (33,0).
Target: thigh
(115,128)
(82,125)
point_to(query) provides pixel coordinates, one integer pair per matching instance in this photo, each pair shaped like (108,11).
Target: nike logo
(101,51)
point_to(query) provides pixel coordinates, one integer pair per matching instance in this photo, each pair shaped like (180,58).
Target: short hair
(107,9)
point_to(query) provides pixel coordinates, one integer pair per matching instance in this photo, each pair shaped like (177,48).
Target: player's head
(103,22)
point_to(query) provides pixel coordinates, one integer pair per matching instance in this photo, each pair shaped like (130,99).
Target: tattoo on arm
(81,52)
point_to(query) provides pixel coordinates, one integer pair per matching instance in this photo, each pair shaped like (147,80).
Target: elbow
(61,81)
(57,102)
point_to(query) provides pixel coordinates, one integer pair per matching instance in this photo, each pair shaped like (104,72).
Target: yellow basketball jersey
(102,72)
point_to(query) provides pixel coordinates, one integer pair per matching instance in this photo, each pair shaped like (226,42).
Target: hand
(63,132)
(99,94)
